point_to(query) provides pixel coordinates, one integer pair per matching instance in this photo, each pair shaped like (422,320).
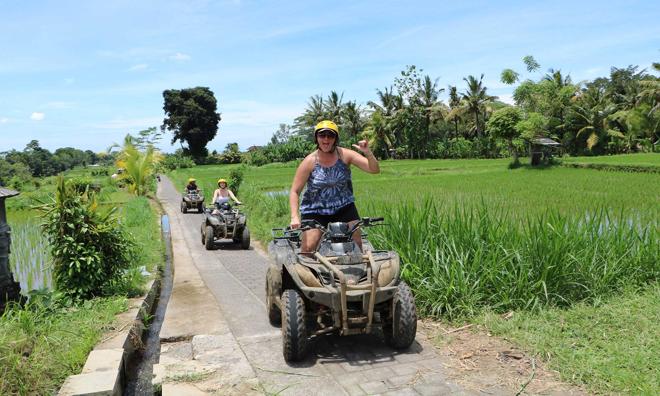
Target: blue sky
(85,73)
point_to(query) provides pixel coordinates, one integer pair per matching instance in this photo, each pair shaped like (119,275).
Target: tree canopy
(192,117)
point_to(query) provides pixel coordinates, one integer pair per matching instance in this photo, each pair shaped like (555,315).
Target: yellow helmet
(326,125)
(191,180)
(222,181)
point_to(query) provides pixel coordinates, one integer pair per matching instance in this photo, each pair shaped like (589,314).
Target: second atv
(341,289)
(192,200)
(224,222)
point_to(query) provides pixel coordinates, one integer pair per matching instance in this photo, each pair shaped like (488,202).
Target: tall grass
(46,341)
(461,258)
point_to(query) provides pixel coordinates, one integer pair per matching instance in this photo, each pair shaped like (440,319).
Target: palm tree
(650,91)
(315,112)
(377,132)
(390,106)
(476,99)
(561,93)
(456,111)
(139,166)
(353,123)
(593,112)
(334,106)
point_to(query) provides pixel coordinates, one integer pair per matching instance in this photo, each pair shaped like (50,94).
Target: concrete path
(217,338)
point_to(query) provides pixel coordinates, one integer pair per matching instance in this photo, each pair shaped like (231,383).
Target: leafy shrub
(90,248)
(236,178)
(176,161)
(80,184)
(256,158)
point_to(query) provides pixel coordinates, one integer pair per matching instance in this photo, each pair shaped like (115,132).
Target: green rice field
(30,252)
(641,159)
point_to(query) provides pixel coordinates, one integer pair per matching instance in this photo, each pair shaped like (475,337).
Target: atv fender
(241,221)
(274,279)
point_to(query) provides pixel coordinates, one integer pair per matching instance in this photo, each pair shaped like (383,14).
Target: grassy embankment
(46,342)
(554,245)
(646,162)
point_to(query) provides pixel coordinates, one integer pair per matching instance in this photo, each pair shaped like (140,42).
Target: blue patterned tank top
(328,189)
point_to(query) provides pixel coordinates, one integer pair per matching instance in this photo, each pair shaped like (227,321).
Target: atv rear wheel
(208,238)
(400,328)
(245,238)
(294,329)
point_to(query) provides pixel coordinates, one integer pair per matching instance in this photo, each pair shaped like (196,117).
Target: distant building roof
(6,193)
(254,148)
(545,142)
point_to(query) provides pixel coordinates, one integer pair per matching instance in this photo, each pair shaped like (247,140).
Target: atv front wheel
(184,208)
(274,312)
(245,238)
(400,328)
(294,329)
(208,238)
(200,207)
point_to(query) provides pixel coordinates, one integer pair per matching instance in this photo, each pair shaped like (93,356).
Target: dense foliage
(609,115)
(18,167)
(192,117)
(89,247)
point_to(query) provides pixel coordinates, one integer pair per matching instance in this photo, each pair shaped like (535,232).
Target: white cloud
(138,67)
(69,81)
(4,120)
(179,57)
(37,116)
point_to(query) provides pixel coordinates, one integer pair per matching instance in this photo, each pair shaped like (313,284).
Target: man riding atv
(192,186)
(192,197)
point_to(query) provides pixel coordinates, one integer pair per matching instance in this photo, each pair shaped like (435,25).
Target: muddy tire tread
(294,332)
(400,334)
(208,241)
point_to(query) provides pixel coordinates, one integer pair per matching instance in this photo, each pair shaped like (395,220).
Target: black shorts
(344,214)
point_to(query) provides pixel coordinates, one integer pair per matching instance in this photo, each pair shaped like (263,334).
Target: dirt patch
(489,365)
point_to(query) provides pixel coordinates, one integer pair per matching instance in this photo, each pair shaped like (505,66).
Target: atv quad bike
(192,200)
(224,222)
(340,289)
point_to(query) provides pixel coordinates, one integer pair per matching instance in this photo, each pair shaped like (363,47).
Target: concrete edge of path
(103,372)
(194,322)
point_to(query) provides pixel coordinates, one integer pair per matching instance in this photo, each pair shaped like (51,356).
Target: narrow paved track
(358,365)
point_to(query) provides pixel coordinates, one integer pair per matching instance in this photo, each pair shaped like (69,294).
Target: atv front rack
(372,271)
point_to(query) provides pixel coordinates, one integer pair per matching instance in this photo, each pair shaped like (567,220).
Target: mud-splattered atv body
(192,200)
(340,289)
(224,222)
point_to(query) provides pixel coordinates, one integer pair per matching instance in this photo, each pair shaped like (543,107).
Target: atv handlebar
(306,225)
